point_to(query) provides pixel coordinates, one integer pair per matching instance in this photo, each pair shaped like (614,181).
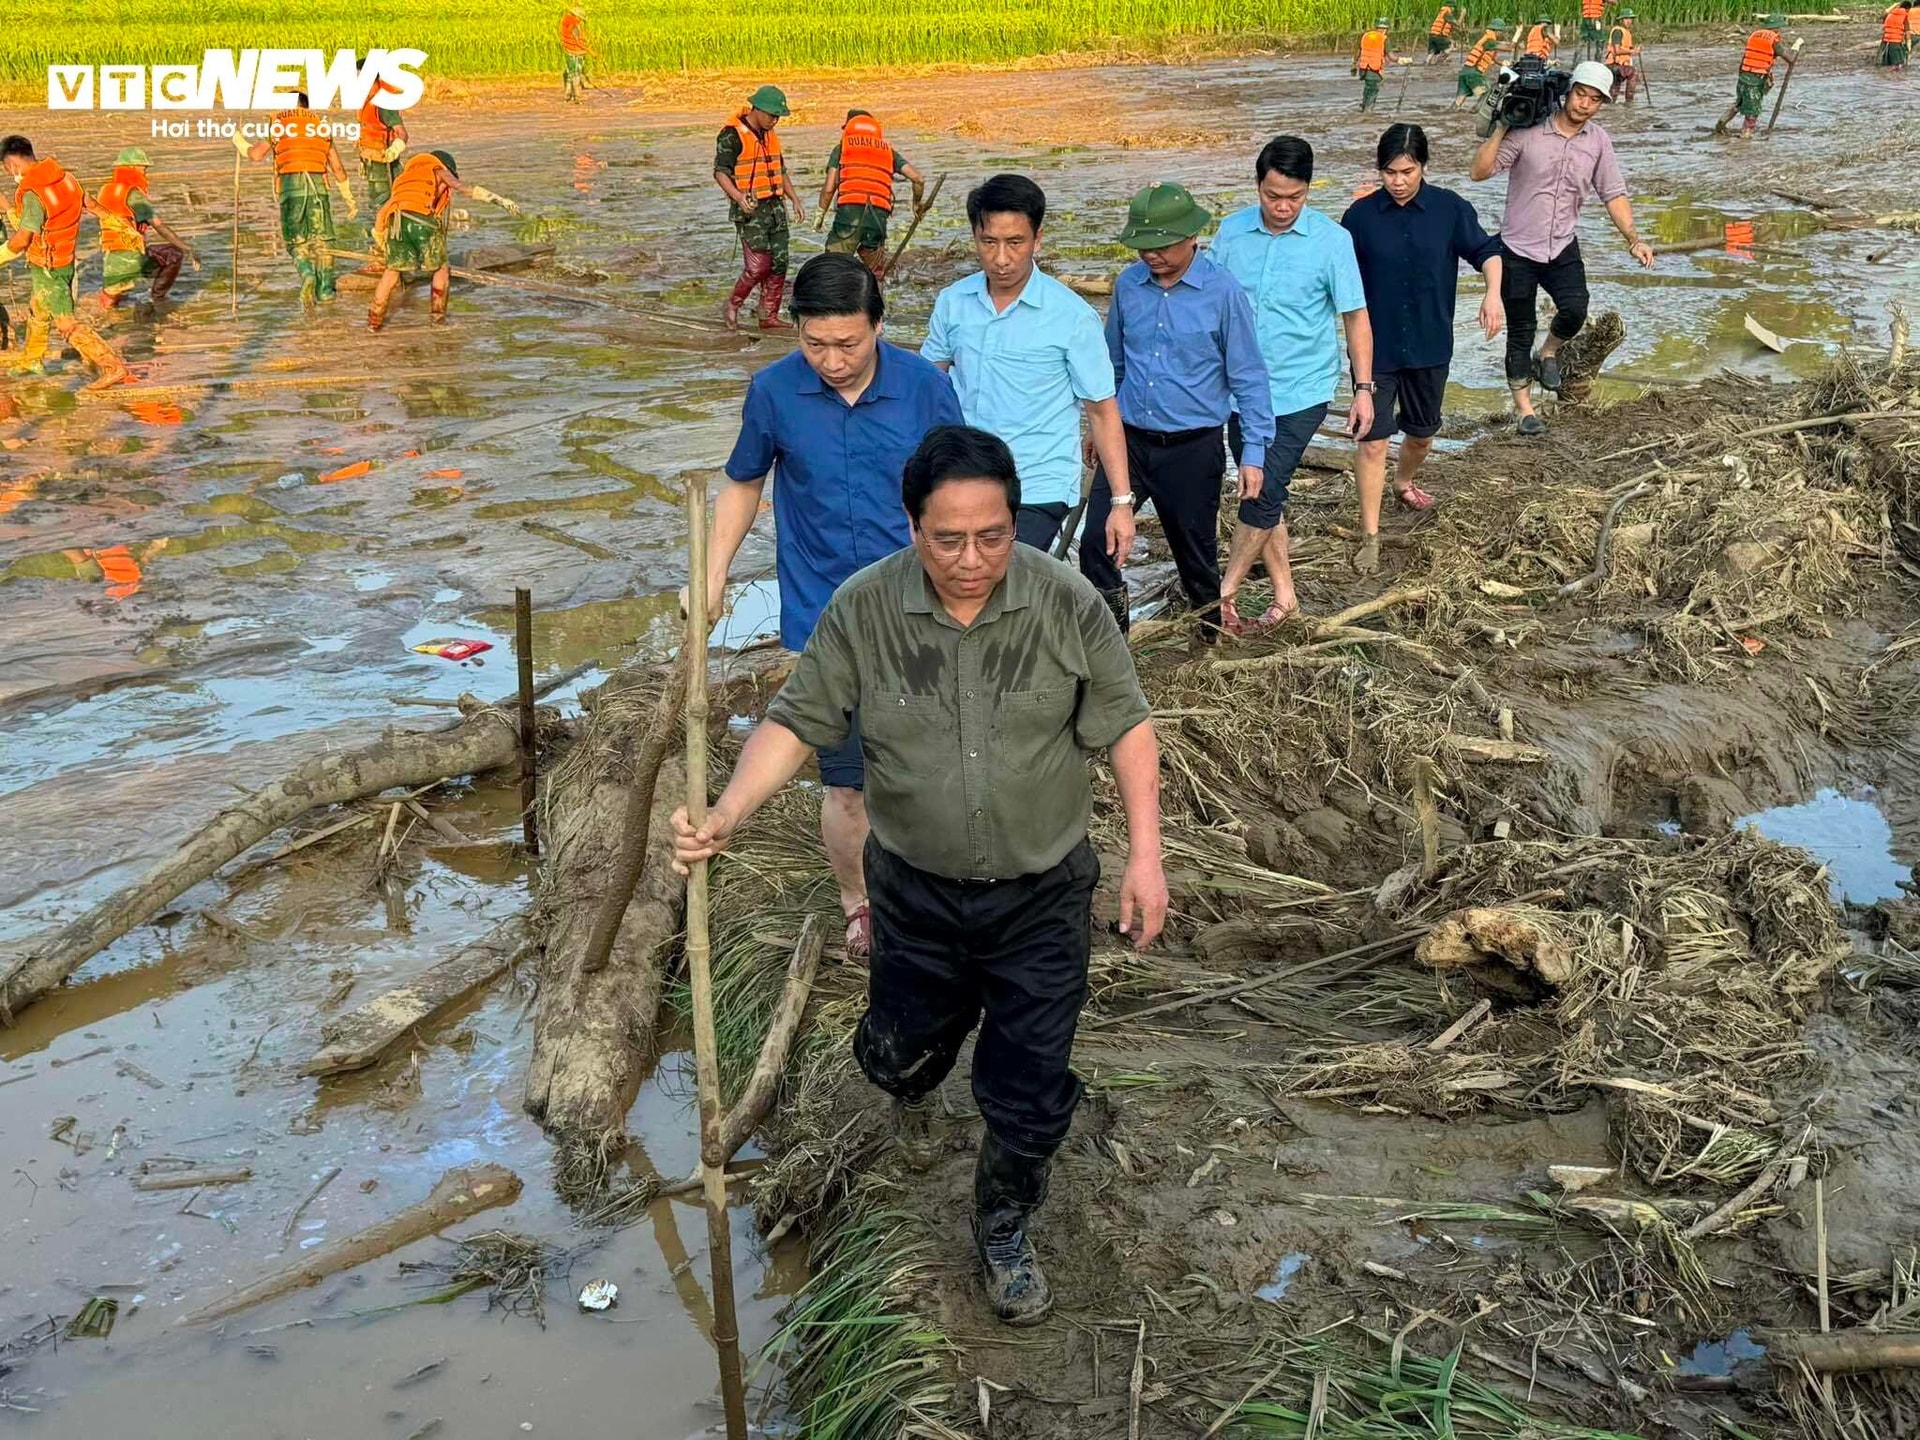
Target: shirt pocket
(905,732)
(1032,724)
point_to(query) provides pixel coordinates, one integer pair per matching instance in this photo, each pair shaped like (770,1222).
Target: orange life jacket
(759,169)
(573,35)
(866,165)
(1620,46)
(113,198)
(375,134)
(1538,43)
(1443,22)
(64,201)
(1758,59)
(1592,9)
(300,151)
(421,188)
(1373,50)
(1485,51)
(1893,30)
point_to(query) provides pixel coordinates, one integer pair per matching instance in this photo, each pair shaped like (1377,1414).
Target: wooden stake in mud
(713,1160)
(1785,80)
(233,282)
(523,644)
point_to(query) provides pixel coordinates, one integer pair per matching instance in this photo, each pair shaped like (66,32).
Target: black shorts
(1291,436)
(1416,394)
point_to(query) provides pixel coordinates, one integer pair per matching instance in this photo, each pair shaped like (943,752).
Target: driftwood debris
(195,1178)
(593,1032)
(739,1123)
(358,1038)
(458,1195)
(1847,1352)
(489,258)
(1583,355)
(484,741)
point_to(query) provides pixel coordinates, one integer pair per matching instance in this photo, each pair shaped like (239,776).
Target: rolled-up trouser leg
(166,260)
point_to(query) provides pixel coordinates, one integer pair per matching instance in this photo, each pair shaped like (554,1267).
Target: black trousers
(1039,525)
(1564,278)
(1179,473)
(947,951)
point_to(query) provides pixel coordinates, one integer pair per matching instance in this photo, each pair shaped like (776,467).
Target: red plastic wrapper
(454,649)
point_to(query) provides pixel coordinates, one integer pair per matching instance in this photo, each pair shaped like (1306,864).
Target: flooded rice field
(202,587)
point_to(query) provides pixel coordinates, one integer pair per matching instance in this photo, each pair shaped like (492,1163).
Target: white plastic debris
(600,1295)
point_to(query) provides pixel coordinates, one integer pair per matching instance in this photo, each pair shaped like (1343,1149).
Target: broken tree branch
(1596,577)
(754,1102)
(458,1195)
(485,741)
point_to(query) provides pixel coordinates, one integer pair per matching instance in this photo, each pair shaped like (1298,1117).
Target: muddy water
(193,607)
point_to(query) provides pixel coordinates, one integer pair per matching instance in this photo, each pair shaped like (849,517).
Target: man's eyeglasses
(990,543)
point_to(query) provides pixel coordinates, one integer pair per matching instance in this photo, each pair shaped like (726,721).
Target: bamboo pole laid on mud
(458,1195)
(706,1045)
(484,741)
(523,643)
(919,214)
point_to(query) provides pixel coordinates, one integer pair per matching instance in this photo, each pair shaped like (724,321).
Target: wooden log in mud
(1583,355)
(1847,1352)
(456,1196)
(593,1031)
(358,1038)
(486,740)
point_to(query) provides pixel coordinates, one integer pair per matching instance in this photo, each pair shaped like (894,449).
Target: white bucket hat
(1595,75)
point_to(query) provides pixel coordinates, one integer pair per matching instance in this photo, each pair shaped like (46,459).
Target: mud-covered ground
(260,613)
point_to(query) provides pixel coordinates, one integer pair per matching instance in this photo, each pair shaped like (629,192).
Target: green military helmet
(1544,20)
(446,159)
(1383,23)
(1496,24)
(771,99)
(1162,214)
(1626,15)
(1776,21)
(132,155)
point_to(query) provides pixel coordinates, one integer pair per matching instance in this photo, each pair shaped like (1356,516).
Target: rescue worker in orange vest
(1592,33)
(574,51)
(383,137)
(411,230)
(1896,36)
(1623,54)
(127,254)
(751,171)
(1480,61)
(304,159)
(859,187)
(1440,33)
(1541,38)
(1764,46)
(1371,60)
(45,221)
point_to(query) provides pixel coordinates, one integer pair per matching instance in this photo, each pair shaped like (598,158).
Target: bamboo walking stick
(713,1162)
(1785,80)
(233,280)
(919,213)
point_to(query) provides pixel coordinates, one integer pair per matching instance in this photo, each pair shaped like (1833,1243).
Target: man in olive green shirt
(986,674)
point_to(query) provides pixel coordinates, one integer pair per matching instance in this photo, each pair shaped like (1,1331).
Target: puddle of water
(1289,1266)
(1722,1357)
(1848,836)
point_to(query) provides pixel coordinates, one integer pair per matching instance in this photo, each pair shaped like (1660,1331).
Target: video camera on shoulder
(1525,95)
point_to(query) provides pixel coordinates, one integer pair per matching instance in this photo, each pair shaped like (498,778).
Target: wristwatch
(1126,499)
(1366,385)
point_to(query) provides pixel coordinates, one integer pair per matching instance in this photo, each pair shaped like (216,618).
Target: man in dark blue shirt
(1410,238)
(838,418)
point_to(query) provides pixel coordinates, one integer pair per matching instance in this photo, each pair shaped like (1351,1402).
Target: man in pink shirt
(1550,169)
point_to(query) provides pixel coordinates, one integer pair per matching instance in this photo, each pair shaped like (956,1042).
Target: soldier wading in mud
(985,673)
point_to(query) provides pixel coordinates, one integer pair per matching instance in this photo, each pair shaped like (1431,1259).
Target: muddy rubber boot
(771,296)
(33,355)
(111,369)
(914,1139)
(1120,604)
(1007,1188)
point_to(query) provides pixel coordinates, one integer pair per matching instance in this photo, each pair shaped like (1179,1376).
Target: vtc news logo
(242,80)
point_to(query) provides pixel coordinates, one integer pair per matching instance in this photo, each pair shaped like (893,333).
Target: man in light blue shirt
(1181,335)
(1026,354)
(1297,267)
